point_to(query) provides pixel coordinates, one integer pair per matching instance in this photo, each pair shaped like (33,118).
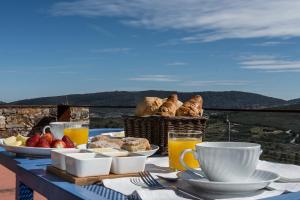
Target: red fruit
(58,144)
(68,141)
(43,143)
(33,141)
(49,137)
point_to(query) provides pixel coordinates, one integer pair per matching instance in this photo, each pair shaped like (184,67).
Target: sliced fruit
(68,141)
(33,141)
(22,138)
(43,143)
(17,143)
(49,137)
(58,144)
(10,140)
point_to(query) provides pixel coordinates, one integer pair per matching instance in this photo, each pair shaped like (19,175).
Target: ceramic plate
(260,179)
(119,134)
(154,149)
(36,151)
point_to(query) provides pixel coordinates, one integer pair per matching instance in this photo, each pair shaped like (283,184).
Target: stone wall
(29,119)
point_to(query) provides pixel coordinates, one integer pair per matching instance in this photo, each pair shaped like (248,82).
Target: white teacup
(57,128)
(225,161)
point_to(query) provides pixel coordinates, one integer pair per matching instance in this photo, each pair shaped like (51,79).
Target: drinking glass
(179,141)
(78,135)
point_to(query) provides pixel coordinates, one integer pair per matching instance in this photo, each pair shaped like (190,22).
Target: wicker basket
(156,128)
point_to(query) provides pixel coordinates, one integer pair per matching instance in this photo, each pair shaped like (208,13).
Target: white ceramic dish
(35,151)
(132,163)
(109,151)
(154,149)
(260,179)
(88,164)
(58,157)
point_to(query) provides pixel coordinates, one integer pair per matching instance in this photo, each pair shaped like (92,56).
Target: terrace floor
(7,185)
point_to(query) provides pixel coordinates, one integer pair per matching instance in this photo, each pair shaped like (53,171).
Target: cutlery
(170,179)
(152,183)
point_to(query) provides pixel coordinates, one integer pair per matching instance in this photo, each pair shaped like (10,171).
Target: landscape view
(278,132)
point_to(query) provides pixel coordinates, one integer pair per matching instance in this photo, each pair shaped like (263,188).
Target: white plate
(154,149)
(260,179)
(119,134)
(37,151)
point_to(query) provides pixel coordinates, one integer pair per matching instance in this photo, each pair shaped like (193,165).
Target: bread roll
(169,107)
(179,103)
(149,106)
(192,107)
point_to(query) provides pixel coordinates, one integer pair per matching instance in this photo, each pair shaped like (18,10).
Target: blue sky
(62,47)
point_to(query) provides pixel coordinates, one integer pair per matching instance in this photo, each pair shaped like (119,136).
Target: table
(31,175)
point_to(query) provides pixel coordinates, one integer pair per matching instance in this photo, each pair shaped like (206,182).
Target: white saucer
(260,179)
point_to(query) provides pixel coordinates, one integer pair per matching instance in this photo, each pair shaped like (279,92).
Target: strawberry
(33,140)
(58,144)
(43,143)
(68,141)
(49,137)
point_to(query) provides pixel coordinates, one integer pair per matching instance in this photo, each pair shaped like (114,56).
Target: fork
(152,183)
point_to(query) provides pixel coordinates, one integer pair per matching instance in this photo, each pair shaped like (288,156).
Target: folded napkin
(287,172)
(159,166)
(124,186)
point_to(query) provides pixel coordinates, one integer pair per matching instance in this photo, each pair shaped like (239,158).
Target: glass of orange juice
(78,135)
(179,141)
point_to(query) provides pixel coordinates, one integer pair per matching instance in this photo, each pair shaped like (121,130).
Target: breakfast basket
(155,128)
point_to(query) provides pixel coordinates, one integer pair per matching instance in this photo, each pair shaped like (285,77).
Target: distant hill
(228,99)
(294,101)
(1,102)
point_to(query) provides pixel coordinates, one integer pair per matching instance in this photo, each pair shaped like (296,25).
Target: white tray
(37,151)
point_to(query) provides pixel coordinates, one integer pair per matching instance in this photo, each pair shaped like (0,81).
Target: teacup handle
(182,160)
(44,129)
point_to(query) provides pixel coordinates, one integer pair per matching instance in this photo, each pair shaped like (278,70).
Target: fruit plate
(154,149)
(36,151)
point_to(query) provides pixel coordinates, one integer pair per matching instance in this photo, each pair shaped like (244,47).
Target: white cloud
(112,50)
(155,78)
(270,64)
(177,64)
(217,83)
(209,20)
(270,43)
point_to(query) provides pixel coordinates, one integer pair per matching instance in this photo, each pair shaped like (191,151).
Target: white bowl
(88,164)
(148,153)
(132,163)
(58,157)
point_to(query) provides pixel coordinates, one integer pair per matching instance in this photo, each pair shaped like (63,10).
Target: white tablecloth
(290,174)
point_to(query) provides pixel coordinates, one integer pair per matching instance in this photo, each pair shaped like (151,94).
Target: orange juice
(176,146)
(77,135)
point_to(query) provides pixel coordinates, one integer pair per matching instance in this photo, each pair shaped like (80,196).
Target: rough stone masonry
(27,120)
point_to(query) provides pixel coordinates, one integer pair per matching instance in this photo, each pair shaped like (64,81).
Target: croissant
(169,107)
(149,106)
(192,107)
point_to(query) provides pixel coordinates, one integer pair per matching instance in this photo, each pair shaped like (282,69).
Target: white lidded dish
(132,163)
(88,164)
(58,156)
